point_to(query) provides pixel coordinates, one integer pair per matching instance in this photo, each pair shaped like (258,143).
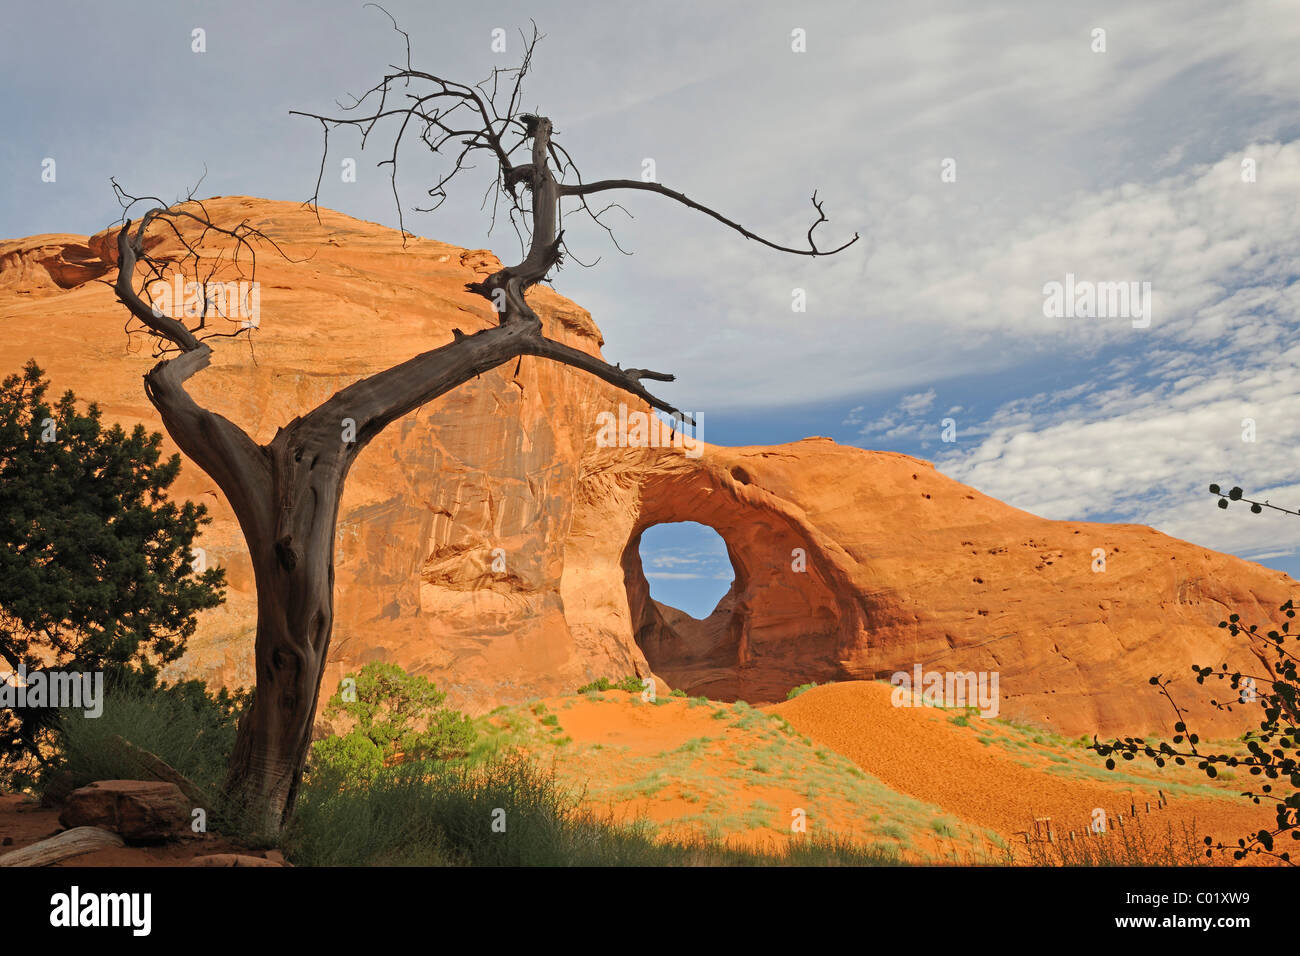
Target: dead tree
(286,493)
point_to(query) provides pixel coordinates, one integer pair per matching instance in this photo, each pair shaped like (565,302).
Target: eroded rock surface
(489,542)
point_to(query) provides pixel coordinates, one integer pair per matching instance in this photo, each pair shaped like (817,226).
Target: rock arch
(786,619)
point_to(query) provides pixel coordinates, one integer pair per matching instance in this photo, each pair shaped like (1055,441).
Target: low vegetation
(393,716)
(794,692)
(632,684)
(188,726)
(1128,841)
(508,812)
(408,781)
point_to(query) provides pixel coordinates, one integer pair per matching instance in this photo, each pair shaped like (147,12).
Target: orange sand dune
(919,751)
(688,772)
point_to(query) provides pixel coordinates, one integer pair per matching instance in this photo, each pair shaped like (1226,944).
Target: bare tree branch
(605,185)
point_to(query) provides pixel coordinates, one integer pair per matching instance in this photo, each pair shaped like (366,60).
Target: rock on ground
(140,811)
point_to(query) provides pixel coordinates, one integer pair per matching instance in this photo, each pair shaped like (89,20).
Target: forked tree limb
(129,250)
(444,99)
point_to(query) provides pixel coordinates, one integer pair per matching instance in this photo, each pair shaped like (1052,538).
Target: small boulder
(141,811)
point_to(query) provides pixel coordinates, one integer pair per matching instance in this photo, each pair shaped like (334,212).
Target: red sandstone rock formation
(901,565)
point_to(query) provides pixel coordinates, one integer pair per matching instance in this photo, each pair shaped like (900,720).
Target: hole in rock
(687,567)
(727,596)
(682,582)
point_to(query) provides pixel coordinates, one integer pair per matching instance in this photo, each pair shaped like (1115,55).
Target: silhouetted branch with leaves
(1256,507)
(1273,750)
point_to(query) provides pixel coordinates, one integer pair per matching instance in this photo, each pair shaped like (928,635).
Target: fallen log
(67,844)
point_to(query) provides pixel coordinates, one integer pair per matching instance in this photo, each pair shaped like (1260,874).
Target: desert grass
(1127,841)
(186,737)
(509,812)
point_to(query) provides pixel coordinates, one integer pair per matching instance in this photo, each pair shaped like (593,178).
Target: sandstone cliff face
(489,541)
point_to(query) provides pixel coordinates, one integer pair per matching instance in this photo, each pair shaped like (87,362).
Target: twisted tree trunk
(293,568)
(286,494)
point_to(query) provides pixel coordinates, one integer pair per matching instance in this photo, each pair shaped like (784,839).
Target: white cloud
(1151,448)
(916,404)
(903,420)
(1113,166)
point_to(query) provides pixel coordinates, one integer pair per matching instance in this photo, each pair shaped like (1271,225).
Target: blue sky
(686,566)
(1117,165)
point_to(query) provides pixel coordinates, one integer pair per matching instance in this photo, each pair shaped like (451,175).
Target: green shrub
(394,714)
(353,756)
(98,565)
(632,684)
(794,692)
